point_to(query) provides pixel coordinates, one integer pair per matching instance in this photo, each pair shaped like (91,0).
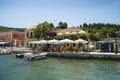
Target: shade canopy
(60,34)
(42,42)
(54,41)
(73,33)
(81,41)
(67,33)
(82,32)
(66,41)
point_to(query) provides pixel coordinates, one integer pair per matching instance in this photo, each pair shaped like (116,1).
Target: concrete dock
(86,55)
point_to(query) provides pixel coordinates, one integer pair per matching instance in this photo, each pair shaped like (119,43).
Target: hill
(4,29)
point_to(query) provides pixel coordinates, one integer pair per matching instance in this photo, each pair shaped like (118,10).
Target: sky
(26,13)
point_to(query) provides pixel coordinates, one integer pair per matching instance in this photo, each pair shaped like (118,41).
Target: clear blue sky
(26,13)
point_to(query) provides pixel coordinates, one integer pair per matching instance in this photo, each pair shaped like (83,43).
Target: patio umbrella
(60,34)
(73,33)
(67,33)
(81,32)
(54,41)
(81,41)
(66,41)
(42,42)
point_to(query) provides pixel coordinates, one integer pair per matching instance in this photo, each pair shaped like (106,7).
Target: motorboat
(19,55)
(22,55)
(31,56)
(5,51)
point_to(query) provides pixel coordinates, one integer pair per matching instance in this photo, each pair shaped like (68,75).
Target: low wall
(86,55)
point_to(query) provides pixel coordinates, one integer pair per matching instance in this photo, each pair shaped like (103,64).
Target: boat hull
(35,56)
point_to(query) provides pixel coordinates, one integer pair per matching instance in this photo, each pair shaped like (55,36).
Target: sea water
(12,68)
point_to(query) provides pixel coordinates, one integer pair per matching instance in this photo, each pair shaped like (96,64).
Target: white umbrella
(73,33)
(59,34)
(54,41)
(81,41)
(67,33)
(42,42)
(66,41)
(82,32)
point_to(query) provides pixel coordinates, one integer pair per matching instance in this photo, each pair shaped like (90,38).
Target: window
(27,34)
(15,35)
(31,35)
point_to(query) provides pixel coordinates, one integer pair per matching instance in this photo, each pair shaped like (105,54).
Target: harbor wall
(86,55)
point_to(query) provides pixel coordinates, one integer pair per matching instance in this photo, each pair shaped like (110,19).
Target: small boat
(30,56)
(5,51)
(22,55)
(19,55)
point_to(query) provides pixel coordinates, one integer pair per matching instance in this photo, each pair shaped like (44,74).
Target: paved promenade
(102,53)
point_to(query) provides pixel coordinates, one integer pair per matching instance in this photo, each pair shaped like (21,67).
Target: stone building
(29,35)
(13,36)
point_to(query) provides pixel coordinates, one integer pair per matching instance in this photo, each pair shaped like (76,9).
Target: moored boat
(5,51)
(22,55)
(35,56)
(19,55)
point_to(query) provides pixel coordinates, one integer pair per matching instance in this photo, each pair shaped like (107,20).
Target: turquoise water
(12,68)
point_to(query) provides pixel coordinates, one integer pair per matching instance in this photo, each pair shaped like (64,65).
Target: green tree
(37,32)
(94,37)
(85,25)
(73,37)
(62,25)
(104,32)
(83,37)
(42,29)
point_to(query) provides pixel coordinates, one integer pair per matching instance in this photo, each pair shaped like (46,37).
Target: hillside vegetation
(101,30)
(4,29)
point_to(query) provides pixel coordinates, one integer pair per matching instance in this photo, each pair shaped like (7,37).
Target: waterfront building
(108,45)
(76,31)
(29,35)
(13,36)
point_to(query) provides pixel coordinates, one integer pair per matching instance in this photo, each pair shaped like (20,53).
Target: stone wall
(86,55)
